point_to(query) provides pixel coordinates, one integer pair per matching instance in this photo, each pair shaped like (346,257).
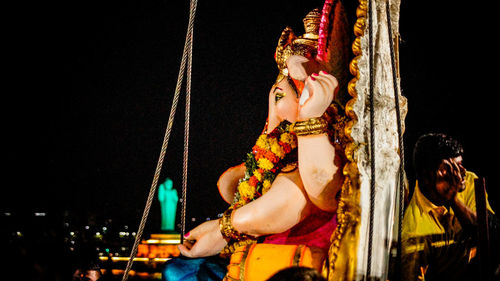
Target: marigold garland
(269,155)
(273,153)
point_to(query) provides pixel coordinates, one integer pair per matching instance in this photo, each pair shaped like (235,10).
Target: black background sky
(91,85)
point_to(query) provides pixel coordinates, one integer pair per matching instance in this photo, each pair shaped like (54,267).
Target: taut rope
(400,138)
(187,54)
(372,138)
(186,128)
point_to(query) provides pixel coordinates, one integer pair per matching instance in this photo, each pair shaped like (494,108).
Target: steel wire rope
(186,135)
(372,139)
(187,53)
(400,136)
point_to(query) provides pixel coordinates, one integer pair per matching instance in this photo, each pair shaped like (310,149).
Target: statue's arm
(228,182)
(282,207)
(278,210)
(320,170)
(318,163)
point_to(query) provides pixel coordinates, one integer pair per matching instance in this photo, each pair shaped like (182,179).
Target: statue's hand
(317,95)
(203,241)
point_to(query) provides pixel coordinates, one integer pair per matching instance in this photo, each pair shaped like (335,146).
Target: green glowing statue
(168,200)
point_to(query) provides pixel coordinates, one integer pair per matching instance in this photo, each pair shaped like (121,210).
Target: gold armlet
(312,126)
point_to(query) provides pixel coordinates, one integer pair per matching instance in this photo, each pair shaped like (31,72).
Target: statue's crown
(306,45)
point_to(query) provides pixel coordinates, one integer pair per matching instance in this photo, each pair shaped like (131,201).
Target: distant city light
(40,214)
(7,214)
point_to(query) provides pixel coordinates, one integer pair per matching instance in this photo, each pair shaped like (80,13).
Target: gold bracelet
(312,126)
(225,226)
(234,238)
(227,230)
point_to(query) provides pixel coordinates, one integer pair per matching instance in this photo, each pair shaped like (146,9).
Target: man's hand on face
(456,173)
(453,179)
(450,178)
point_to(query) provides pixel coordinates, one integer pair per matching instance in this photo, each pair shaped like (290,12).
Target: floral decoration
(269,155)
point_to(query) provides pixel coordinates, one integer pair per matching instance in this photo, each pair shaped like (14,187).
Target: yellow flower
(278,150)
(246,190)
(288,138)
(261,142)
(266,185)
(257,174)
(241,202)
(272,141)
(265,164)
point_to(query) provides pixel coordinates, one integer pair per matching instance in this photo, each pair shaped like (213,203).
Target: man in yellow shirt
(439,225)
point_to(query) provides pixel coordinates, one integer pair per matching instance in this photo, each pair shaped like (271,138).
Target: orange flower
(253,181)
(271,156)
(259,152)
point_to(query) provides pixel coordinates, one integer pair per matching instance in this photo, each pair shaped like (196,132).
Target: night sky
(91,86)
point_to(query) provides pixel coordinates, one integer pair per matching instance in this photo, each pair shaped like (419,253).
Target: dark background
(89,87)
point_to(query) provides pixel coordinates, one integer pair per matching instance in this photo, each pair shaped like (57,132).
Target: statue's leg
(188,269)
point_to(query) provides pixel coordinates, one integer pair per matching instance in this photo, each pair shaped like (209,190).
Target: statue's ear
(334,46)
(300,67)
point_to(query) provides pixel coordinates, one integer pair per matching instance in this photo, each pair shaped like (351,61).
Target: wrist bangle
(225,225)
(312,126)
(227,230)
(234,238)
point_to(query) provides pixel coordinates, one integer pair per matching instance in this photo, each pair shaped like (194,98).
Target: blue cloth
(199,269)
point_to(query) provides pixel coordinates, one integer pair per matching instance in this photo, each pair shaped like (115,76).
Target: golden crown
(305,45)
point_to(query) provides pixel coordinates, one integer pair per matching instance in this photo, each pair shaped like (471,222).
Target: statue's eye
(278,96)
